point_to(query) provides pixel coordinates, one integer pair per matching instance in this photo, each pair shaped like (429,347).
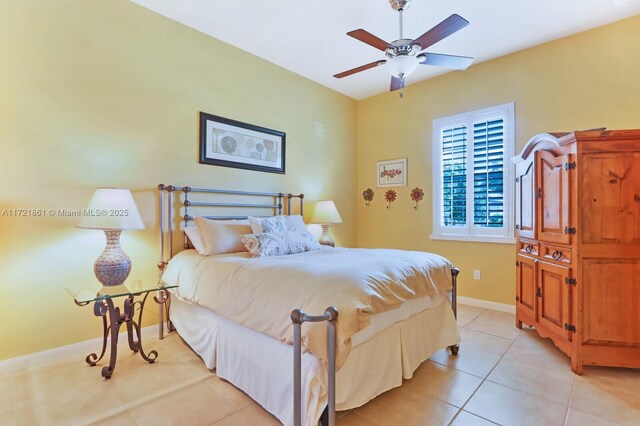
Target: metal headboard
(167,207)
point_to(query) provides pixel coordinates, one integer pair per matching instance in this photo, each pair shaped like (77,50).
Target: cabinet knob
(557,255)
(528,248)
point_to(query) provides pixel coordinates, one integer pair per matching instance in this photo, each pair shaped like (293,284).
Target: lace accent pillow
(267,224)
(279,243)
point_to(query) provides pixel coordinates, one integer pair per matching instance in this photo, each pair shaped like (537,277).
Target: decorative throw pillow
(295,223)
(279,243)
(267,224)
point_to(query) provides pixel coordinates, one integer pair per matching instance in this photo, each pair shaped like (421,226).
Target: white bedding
(260,293)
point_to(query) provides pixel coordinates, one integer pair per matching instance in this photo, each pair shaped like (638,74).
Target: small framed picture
(392,173)
(230,143)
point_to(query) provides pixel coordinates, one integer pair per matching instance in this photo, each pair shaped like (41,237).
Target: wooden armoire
(578,244)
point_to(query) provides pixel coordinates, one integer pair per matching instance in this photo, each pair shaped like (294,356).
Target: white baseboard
(79,350)
(487,304)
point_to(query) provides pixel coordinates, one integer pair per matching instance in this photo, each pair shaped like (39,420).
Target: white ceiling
(309,37)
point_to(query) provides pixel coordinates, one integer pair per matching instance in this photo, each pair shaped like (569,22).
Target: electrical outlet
(476,274)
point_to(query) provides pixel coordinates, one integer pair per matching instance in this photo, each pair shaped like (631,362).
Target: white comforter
(260,293)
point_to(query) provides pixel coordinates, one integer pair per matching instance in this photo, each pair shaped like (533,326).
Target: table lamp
(112,210)
(325,214)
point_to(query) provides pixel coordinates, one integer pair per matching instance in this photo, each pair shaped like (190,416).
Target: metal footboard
(298,317)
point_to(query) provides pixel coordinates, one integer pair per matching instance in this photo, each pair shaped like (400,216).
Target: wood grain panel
(554,306)
(526,285)
(553,197)
(525,196)
(611,196)
(611,301)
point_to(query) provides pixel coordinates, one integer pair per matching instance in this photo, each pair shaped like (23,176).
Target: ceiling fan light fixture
(402,66)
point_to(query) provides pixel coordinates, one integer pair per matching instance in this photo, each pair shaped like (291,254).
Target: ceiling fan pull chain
(400,14)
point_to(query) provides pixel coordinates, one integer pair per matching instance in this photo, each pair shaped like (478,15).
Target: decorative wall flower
(368,196)
(390,196)
(417,194)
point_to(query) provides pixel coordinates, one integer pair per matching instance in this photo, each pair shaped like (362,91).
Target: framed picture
(230,143)
(392,173)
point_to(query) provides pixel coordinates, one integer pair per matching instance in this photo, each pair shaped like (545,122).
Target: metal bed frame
(167,202)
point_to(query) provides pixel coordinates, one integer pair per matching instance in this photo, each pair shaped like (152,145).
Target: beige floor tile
(353,419)
(123,419)
(499,324)
(235,419)
(578,418)
(340,414)
(232,394)
(537,378)
(467,419)
(408,407)
(8,417)
(444,383)
(610,393)
(197,404)
(530,344)
(258,416)
(483,341)
(65,393)
(136,381)
(8,385)
(469,360)
(507,406)
(467,313)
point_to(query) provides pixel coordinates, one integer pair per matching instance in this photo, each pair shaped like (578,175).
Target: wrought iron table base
(112,319)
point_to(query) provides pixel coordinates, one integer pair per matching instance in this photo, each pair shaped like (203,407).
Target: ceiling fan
(404,55)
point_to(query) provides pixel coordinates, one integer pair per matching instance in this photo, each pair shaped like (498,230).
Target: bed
(385,317)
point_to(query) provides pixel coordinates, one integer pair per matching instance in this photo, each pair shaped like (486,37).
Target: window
(472,174)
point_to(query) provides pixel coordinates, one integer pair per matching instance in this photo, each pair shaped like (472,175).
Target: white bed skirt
(263,367)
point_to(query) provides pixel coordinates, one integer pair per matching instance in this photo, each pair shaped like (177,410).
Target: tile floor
(501,376)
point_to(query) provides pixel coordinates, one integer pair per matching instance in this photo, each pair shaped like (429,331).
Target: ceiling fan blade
(441,31)
(396,83)
(370,39)
(447,61)
(360,68)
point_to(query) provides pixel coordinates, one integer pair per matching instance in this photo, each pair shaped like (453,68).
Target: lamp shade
(326,212)
(111,209)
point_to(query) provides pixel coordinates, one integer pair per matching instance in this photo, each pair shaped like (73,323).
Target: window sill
(474,239)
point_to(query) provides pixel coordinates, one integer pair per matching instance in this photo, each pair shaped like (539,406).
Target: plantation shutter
(454,176)
(488,173)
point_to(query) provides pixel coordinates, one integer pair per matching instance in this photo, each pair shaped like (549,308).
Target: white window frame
(469,232)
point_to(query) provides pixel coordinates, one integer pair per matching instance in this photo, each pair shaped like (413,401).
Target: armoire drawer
(529,248)
(558,254)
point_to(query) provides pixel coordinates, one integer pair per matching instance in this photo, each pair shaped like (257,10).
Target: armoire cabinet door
(553,197)
(554,299)
(525,200)
(610,200)
(526,285)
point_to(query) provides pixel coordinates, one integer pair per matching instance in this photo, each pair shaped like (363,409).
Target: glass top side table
(112,318)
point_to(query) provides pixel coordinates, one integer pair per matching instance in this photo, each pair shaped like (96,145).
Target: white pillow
(295,223)
(222,236)
(279,243)
(196,238)
(260,225)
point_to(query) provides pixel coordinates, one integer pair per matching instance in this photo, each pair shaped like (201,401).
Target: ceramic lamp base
(325,238)
(112,267)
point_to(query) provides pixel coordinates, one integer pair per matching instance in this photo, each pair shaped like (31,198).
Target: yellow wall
(584,81)
(106,93)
